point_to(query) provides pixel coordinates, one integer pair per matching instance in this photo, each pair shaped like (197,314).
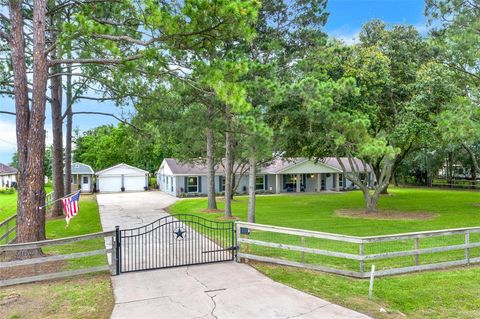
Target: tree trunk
(371,201)
(228,162)
(57,152)
(251,186)
(68,134)
(30,125)
(212,202)
(473,157)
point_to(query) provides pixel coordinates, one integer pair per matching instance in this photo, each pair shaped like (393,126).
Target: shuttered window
(192,184)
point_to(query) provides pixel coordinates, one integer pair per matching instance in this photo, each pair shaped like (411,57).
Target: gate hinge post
(117,250)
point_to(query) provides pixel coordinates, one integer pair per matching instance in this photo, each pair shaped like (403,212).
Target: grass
(85,297)
(420,295)
(8,203)
(86,221)
(88,296)
(8,208)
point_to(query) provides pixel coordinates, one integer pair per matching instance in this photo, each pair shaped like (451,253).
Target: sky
(345,20)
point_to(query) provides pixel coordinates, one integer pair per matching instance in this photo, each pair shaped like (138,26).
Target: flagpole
(48,204)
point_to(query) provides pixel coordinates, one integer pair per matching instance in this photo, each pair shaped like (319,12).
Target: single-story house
(121,178)
(8,176)
(281,175)
(82,177)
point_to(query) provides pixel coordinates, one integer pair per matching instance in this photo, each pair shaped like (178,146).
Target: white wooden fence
(255,244)
(61,274)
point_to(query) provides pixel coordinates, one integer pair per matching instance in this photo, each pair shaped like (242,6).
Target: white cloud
(8,136)
(347,35)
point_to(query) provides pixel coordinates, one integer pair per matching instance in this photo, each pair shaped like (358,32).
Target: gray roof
(79,168)
(7,170)
(276,166)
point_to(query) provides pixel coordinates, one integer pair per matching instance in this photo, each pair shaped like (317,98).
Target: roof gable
(121,169)
(80,168)
(309,167)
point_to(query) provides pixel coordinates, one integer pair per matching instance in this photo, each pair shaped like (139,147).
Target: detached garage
(122,178)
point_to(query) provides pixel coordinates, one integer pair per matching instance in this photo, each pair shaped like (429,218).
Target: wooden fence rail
(8,230)
(54,242)
(441,246)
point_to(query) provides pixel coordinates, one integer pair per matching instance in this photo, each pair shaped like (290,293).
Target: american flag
(70,205)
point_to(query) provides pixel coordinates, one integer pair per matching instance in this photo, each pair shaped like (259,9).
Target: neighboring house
(455,171)
(8,176)
(280,176)
(121,178)
(82,177)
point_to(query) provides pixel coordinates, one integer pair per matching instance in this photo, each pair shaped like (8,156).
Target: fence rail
(350,255)
(463,183)
(8,230)
(44,259)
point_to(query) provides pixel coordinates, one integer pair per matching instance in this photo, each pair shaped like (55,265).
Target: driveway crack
(214,305)
(195,278)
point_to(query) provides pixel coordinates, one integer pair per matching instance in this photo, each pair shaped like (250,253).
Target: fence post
(417,256)
(113,257)
(362,263)
(117,250)
(372,277)
(237,234)
(6,232)
(234,242)
(467,247)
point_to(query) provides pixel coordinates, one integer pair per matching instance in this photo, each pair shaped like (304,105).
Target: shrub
(7,190)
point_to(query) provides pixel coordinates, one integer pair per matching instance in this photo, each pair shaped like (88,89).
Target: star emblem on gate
(179,233)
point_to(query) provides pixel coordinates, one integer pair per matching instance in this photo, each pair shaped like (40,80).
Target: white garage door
(134,183)
(109,184)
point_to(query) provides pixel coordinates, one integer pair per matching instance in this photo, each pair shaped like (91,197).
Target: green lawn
(427,294)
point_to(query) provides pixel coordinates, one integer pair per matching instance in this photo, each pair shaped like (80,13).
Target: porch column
(278,184)
(298,183)
(319,182)
(337,180)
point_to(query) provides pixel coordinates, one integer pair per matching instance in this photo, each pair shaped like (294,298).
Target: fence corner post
(372,277)
(117,250)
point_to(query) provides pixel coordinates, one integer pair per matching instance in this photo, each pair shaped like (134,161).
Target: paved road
(221,290)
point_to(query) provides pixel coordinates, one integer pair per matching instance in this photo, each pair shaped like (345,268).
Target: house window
(171,184)
(192,184)
(340,180)
(85,179)
(223,183)
(259,183)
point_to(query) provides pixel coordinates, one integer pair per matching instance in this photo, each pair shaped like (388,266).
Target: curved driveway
(221,290)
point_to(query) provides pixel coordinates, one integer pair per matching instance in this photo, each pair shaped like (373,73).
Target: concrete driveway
(220,290)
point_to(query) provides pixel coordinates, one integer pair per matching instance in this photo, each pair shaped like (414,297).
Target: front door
(85,185)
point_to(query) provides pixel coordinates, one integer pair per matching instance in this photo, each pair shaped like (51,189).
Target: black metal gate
(172,241)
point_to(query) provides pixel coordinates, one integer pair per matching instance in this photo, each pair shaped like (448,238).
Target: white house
(280,176)
(121,178)
(82,177)
(8,176)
